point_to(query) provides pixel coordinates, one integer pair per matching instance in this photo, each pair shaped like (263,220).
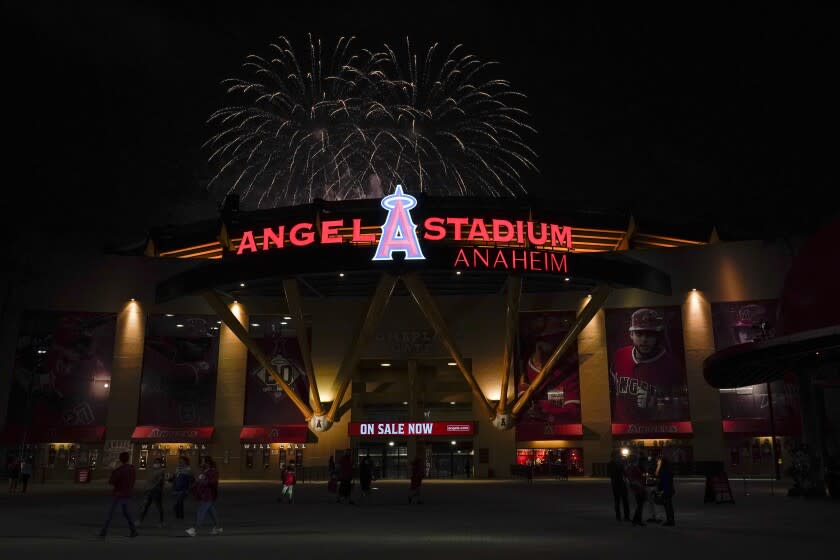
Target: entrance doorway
(388,460)
(449,459)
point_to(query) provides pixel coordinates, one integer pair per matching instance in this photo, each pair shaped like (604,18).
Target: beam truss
(514,295)
(290,287)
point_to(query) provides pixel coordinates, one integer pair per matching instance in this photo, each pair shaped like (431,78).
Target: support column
(595,394)
(704,400)
(230,396)
(413,408)
(127,368)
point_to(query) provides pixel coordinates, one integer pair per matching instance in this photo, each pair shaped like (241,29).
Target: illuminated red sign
(385,429)
(400,235)
(652,429)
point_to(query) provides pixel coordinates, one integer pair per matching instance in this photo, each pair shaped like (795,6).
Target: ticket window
(144,457)
(72,457)
(249,456)
(266,457)
(282,458)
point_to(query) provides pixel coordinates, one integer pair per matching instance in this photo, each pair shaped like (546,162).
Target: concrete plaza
(464,519)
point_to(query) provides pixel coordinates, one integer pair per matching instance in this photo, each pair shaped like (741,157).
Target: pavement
(458,519)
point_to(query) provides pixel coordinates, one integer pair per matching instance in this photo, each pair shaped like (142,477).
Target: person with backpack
(207,492)
(122,479)
(289,478)
(154,491)
(181,485)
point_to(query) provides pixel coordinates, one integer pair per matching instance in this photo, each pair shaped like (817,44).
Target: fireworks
(354,123)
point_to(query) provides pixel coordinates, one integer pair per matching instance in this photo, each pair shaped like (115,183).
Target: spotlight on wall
(105,385)
(132,299)
(385,364)
(693,289)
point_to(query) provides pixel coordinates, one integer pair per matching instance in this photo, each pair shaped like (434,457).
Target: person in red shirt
(646,382)
(207,492)
(122,479)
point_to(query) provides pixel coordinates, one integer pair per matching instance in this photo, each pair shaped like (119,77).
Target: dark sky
(683,115)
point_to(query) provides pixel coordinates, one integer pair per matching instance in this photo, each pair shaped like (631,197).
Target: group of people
(20,471)
(204,488)
(341,478)
(650,482)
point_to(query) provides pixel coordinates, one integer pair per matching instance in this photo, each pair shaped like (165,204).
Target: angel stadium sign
(526,245)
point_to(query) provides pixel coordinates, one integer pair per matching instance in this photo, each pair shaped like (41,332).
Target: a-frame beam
(596,301)
(231,322)
(514,295)
(376,308)
(295,302)
(430,309)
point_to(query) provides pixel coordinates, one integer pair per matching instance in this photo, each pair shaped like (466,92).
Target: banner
(62,373)
(180,357)
(265,403)
(556,403)
(746,410)
(647,366)
(411,428)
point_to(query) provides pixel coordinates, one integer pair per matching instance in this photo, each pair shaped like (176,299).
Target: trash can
(83,475)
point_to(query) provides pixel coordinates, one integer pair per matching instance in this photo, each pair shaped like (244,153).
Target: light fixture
(693,289)
(242,284)
(341,275)
(458,272)
(179,325)
(283,323)
(132,299)
(287,317)
(170,315)
(452,403)
(625,452)
(105,385)
(566,279)
(218,322)
(391,443)
(44,352)
(255,324)
(385,364)
(451,364)
(454,442)
(405,402)
(235,302)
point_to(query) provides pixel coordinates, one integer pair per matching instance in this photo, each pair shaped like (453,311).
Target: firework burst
(353,123)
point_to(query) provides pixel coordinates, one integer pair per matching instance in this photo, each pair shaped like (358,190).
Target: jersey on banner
(647,366)
(178,386)
(557,400)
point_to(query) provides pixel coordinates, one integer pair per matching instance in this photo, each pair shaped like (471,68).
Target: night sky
(679,116)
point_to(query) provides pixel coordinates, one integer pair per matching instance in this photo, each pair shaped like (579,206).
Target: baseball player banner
(555,406)
(752,321)
(62,373)
(647,367)
(180,356)
(265,402)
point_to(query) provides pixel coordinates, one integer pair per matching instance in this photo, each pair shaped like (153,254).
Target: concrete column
(126,371)
(704,400)
(230,397)
(595,392)
(413,408)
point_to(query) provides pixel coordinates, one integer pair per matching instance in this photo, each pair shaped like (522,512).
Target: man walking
(154,491)
(615,470)
(181,485)
(122,479)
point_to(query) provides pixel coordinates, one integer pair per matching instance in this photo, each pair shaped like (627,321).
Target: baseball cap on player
(750,316)
(646,320)
(553,326)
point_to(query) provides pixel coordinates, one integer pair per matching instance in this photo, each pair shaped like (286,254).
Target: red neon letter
(498,236)
(329,231)
(478,258)
(270,236)
(434,229)
(542,239)
(457,222)
(358,236)
(520,232)
(533,262)
(478,231)
(562,266)
(247,243)
(500,258)
(561,235)
(461,258)
(524,259)
(301,239)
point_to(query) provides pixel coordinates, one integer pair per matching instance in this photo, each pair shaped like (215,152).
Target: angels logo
(399,233)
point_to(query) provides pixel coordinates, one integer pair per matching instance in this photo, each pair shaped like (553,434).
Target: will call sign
(399,235)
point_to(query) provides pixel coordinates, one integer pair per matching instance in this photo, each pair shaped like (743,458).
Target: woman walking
(207,491)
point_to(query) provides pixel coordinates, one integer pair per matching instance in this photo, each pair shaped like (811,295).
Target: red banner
(199,434)
(291,433)
(535,431)
(757,426)
(652,429)
(385,429)
(52,434)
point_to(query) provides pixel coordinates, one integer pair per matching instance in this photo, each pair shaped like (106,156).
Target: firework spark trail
(350,123)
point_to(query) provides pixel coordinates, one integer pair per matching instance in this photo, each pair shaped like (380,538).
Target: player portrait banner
(746,410)
(178,387)
(554,410)
(265,403)
(648,387)
(62,376)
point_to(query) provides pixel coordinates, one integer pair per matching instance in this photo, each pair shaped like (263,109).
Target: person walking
(25,474)
(332,478)
(122,479)
(635,478)
(418,471)
(648,468)
(154,492)
(345,478)
(365,477)
(665,475)
(14,475)
(289,479)
(207,492)
(615,470)
(181,484)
